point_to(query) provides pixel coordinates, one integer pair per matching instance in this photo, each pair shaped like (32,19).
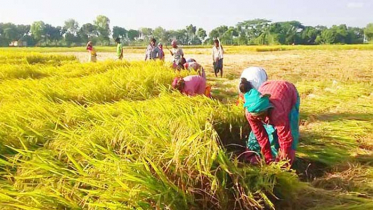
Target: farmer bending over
(192,64)
(276,103)
(190,85)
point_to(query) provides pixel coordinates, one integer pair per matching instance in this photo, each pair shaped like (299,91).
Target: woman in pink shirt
(190,85)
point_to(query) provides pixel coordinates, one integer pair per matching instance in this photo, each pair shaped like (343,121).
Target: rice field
(113,135)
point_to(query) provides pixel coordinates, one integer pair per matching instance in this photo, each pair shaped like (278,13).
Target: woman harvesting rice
(276,103)
(191,85)
(192,64)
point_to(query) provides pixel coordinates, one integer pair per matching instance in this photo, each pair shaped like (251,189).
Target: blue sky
(177,14)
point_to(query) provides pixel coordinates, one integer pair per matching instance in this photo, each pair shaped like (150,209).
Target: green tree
(355,35)
(23,30)
(191,32)
(53,34)
(180,35)
(119,32)
(228,36)
(213,34)
(71,39)
(328,36)
(133,34)
(218,33)
(146,34)
(309,35)
(293,30)
(161,34)
(71,26)
(368,31)
(340,33)
(102,24)
(8,33)
(285,32)
(87,32)
(242,39)
(71,33)
(2,39)
(201,34)
(252,29)
(38,30)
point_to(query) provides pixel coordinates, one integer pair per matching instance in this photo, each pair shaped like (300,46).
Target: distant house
(18,44)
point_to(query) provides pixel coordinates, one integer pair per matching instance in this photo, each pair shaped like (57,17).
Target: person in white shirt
(152,51)
(217,58)
(256,76)
(178,54)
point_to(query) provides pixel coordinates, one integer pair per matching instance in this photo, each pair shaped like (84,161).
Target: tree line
(251,32)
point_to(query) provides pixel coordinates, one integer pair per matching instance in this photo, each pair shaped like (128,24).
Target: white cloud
(355,5)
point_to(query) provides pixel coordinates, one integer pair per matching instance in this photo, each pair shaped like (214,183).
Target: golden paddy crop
(112,135)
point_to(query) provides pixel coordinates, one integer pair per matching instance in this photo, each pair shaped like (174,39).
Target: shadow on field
(308,170)
(233,136)
(307,118)
(344,116)
(324,148)
(366,160)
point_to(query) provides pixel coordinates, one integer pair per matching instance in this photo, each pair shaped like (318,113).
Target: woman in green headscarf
(275,104)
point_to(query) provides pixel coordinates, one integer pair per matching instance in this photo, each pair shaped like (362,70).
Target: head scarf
(186,65)
(255,103)
(174,83)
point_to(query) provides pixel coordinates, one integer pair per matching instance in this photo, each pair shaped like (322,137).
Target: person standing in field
(217,57)
(256,76)
(178,54)
(276,103)
(192,64)
(119,49)
(161,52)
(92,52)
(152,51)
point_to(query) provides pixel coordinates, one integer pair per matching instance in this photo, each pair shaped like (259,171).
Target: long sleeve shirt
(283,98)
(152,52)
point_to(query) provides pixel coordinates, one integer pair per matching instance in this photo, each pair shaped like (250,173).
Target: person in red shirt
(275,103)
